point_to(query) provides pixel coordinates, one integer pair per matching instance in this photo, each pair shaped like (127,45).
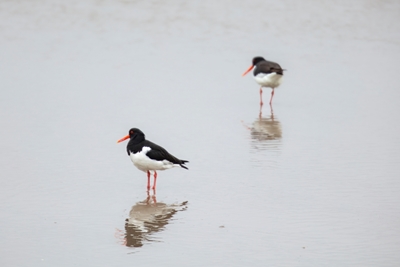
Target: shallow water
(313,182)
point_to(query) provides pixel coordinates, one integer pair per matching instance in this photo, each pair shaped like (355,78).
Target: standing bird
(147,156)
(267,74)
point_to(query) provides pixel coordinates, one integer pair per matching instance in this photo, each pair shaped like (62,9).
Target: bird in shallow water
(149,157)
(267,74)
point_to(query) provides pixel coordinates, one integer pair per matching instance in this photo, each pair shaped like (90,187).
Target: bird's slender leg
(261,102)
(155,180)
(272,95)
(272,113)
(148,180)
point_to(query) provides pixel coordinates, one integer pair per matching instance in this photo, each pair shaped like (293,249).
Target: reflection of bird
(147,156)
(147,217)
(265,132)
(265,129)
(267,74)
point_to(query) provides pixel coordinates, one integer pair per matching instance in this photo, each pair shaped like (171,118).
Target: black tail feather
(182,164)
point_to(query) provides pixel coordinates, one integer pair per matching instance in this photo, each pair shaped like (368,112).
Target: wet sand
(313,182)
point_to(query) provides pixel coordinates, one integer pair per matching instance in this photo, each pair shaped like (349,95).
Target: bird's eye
(131,132)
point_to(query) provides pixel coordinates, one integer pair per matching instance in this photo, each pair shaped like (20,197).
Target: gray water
(313,182)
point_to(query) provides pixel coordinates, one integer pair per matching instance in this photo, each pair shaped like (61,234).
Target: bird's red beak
(123,139)
(249,69)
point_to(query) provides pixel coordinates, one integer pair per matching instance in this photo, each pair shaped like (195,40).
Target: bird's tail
(182,164)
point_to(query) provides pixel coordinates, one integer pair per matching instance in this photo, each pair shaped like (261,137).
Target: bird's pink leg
(272,113)
(155,180)
(272,95)
(261,102)
(148,180)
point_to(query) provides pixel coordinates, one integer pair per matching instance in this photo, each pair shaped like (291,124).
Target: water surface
(313,182)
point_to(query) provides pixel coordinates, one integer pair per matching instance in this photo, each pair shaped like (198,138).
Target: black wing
(268,67)
(159,153)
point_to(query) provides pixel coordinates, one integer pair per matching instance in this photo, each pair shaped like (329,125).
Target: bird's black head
(257,59)
(134,134)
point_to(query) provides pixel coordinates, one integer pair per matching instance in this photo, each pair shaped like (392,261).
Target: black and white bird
(267,74)
(149,157)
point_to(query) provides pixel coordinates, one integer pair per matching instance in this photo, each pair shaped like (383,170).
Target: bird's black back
(156,153)
(267,67)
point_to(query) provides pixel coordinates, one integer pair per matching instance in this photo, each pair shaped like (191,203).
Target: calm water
(315,182)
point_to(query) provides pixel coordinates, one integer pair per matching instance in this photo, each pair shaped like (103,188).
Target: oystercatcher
(147,156)
(267,74)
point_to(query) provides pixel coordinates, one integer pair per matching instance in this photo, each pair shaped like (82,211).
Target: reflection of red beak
(249,69)
(123,139)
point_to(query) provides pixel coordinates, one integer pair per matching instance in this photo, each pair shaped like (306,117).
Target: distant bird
(147,156)
(267,74)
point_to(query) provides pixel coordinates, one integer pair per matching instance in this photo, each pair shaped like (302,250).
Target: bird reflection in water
(148,217)
(266,132)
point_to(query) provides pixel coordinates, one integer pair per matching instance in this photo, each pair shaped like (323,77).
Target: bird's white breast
(272,80)
(144,163)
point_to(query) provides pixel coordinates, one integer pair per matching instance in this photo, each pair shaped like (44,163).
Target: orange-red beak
(249,69)
(123,139)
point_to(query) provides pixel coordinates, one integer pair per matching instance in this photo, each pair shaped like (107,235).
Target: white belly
(272,80)
(144,163)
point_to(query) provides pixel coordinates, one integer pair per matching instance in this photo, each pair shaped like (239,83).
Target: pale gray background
(316,186)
